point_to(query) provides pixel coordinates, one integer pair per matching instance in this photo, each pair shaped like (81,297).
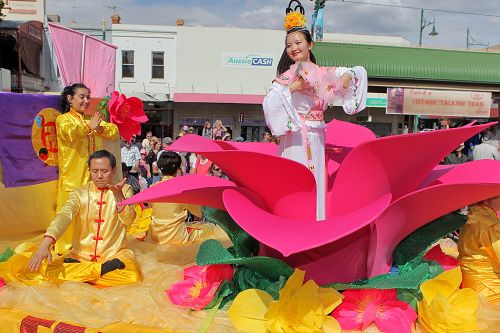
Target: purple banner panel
(28,141)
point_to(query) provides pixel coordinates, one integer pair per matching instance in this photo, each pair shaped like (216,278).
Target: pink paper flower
(330,88)
(199,286)
(361,308)
(2,283)
(126,113)
(309,72)
(437,254)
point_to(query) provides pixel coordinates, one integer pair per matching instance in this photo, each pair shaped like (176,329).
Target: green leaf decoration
(6,254)
(410,296)
(222,292)
(408,278)
(414,246)
(212,252)
(103,106)
(244,245)
(245,278)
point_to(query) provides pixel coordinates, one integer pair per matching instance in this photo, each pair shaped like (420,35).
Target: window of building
(127,63)
(158,68)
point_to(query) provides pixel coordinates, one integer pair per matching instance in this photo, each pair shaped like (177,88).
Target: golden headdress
(295,19)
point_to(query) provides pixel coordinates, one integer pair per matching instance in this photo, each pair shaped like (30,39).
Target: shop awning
(410,66)
(29,41)
(218,98)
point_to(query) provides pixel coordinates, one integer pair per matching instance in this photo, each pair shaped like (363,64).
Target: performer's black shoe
(70,260)
(111,265)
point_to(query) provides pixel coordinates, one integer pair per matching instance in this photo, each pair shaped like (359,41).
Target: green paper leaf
(410,296)
(244,245)
(414,246)
(102,108)
(6,254)
(222,292)
(407,278)
(213,252)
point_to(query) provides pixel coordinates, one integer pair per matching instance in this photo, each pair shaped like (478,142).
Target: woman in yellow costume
(77,139)
(168,220)
(479,250)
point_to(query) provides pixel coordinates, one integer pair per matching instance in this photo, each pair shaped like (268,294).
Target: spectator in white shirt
(130,156)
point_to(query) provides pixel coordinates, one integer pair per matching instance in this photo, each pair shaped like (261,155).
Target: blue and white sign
(245,60)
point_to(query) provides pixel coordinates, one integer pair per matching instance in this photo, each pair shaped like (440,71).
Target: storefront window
(128,63)
(158,69)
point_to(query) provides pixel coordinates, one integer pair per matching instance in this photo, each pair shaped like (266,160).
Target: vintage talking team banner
(438,102)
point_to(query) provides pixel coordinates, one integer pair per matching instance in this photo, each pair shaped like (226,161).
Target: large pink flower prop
(199,286)
(127,114)
(379,190)
(361,308)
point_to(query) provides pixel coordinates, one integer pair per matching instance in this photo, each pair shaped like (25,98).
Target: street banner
(83,58)
(446,103)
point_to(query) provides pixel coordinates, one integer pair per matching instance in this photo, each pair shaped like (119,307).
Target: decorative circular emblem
(44,137)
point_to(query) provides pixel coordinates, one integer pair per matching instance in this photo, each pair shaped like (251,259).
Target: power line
(419,8)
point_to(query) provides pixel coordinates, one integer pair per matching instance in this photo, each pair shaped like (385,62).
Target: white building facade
(224,73)
(146,68)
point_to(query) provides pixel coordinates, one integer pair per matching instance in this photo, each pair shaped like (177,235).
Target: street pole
(422,26)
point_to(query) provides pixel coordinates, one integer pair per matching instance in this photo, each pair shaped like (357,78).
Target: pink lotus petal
(196,189)
(341,138)
(268,176)
(462,185)
(264,226)
(377,167)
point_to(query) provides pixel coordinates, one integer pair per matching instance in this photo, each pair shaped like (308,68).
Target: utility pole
(472,42)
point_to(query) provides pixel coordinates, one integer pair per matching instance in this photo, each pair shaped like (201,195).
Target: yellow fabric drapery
(479,253)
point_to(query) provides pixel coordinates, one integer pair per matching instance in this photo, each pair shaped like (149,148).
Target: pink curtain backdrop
(98,60)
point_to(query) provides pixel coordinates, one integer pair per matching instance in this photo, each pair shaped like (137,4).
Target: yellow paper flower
(294,19)
(446,308)
(301,308)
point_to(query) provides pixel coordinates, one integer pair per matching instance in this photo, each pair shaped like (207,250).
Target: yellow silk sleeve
(127,215)
(70,131)
(63,219)
(110,131)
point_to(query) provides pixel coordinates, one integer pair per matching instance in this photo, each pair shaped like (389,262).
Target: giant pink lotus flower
(379,190)
(127,114)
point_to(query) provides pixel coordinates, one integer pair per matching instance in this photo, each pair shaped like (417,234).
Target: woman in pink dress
(293,109)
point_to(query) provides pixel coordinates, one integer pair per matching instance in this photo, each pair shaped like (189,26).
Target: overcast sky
(340,17)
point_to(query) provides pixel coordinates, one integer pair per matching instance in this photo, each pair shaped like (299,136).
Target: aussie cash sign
(245,60)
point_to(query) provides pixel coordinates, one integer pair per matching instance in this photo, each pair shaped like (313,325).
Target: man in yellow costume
(100,254)
(77,139)
(168,220)
(479,250)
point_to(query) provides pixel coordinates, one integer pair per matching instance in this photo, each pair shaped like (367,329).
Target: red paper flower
(199,286)
(126,113)
(361,308)
(437,254)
